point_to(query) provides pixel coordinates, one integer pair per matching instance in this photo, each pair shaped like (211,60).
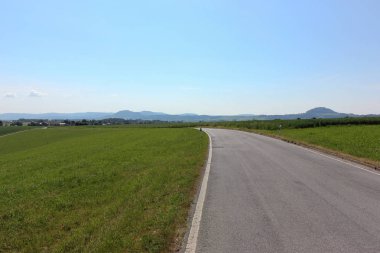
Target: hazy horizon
(203,57)
(105,112)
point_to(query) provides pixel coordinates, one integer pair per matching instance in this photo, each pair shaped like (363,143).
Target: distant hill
(319,112)
(126,114)
(323,112)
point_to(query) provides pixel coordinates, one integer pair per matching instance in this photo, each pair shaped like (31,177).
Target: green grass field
(85,189)
(360,141)
(13,129)
(285,124)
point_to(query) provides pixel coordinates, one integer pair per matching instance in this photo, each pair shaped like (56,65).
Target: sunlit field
(360,141)
(84,189)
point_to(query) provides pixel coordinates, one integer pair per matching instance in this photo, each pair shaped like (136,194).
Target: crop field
(283,124)
(360,141)
(94,189)
(9,130)
(294,124)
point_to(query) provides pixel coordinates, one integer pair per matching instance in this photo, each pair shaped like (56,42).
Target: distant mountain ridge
(318,112)
(55,116)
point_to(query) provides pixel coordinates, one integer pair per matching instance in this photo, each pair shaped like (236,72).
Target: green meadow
(13,129)
(84,189)
(361,141)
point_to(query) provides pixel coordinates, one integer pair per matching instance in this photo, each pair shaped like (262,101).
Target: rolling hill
(319,112)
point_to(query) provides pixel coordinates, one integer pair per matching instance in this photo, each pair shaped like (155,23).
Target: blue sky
(209,57)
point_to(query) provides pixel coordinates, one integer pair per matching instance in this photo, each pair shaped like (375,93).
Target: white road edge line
(191,245)
(340,160)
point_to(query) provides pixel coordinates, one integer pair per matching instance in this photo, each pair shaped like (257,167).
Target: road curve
(265,195)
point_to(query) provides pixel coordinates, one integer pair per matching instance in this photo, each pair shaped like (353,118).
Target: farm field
(285,124)
(9,130)
(361,141)
(94,189)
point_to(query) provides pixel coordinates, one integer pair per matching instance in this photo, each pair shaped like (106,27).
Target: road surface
(266,195)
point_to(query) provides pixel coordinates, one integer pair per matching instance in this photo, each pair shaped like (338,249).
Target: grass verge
(97,189)
(356,143)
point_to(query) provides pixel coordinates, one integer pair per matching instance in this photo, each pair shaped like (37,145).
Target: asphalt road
(265,195)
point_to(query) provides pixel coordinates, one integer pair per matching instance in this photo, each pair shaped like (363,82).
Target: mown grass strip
(14,129)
